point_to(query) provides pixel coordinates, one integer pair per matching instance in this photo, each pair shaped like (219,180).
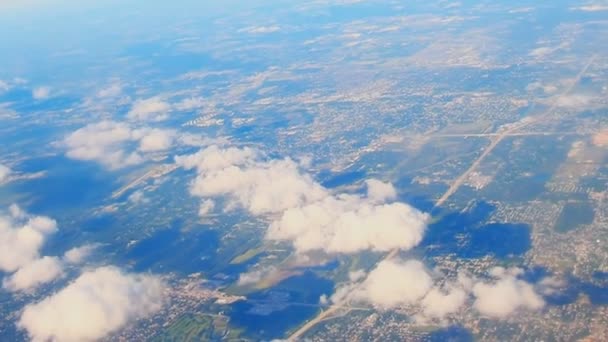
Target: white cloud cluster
(505,294)
(21,239)
(151,109)
(77,255)
(96,304)
(396,283)
(35,273)
(349,224)
(116,144)
(5,172)
(308,215)
(262,187)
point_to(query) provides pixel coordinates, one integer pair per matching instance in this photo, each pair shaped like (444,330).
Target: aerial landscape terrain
(304,170)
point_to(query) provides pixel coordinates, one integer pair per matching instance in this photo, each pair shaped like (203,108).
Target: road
(495,140)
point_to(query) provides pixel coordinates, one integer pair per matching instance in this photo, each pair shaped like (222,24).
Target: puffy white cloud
(41,93)
(394,283)
(309,215)
(439,303)
(154,109)
(5,172)
(116,144)
(380,191)
(505,294)
(21,237)
(96,304)
(348,224)
(156,140)
(261,187)
(35,273)
(190,103)
(77,255)
(255,276)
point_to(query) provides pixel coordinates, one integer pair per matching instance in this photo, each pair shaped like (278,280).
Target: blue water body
(67,185)
(331,180)
(184,252)
(269,315)
(451,334)
(501,240)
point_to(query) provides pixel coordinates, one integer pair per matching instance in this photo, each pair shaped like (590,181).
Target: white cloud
(394,283)
(115,144)
(190,103)
(35,273)
(261,29)
(156,140)
(591,8)
(77,255)
(261,187)
(310,216)
(96,304)
(505,294)
(349,224)
(5,172)
(206,208)
(255,276)
(113,90)
(439,303)
(154,109)
(21,237)
(380,191)
(41,93)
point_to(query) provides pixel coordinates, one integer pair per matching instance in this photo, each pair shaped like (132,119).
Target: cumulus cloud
(308,214)
(151,109)
(255,276)
(77,255)
(96,304)
(115,144)
(33,274)
(156,140)
(394,283)
(21,237)
(349,224)
(41,93)
(5,172)
(262,187)
(505,294)
(380,191)
(439,303)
